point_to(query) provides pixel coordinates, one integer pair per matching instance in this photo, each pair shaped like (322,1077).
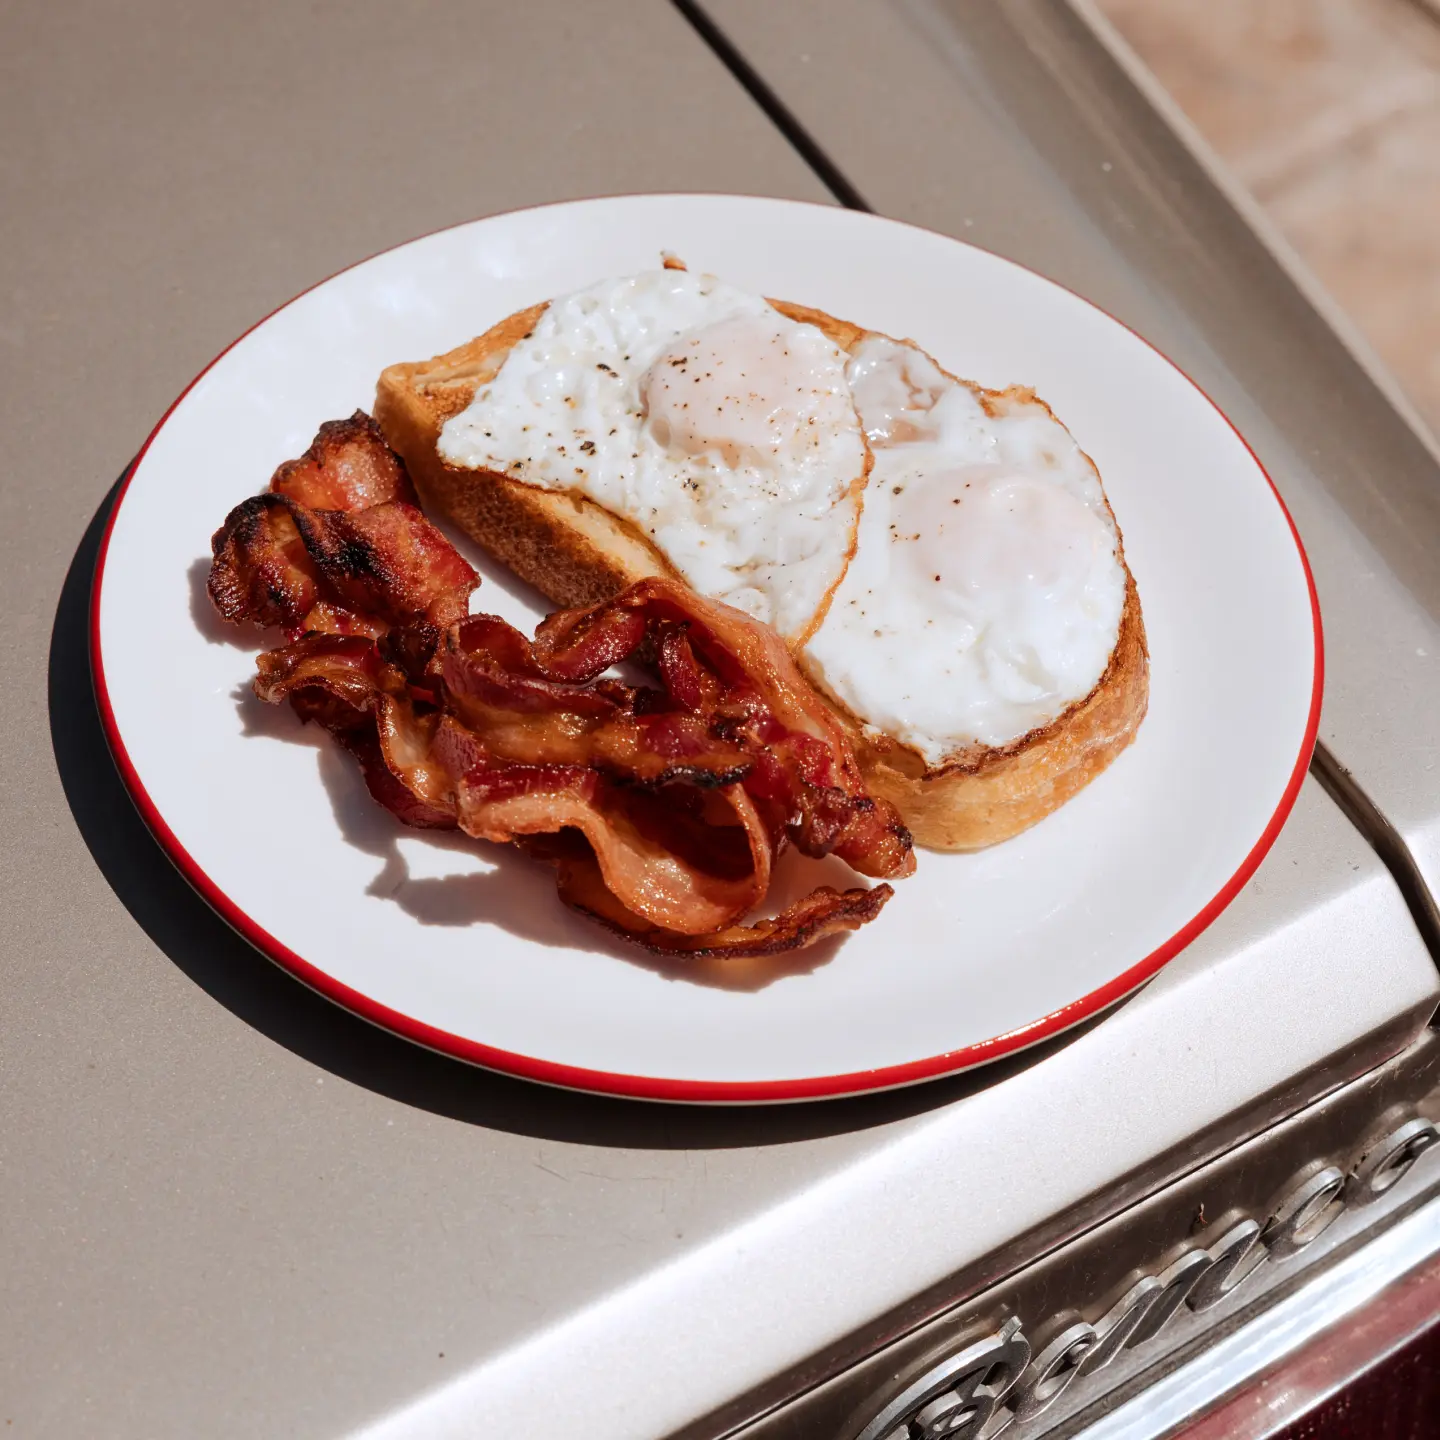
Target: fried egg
(987,588)
(722,430)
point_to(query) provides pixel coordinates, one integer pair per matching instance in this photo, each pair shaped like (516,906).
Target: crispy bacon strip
(825,911)
(689,868)
(719,664)
(663,808)
(681,837)
(734,710)
(338,545)
(278,563)
(496,686)
(347,467)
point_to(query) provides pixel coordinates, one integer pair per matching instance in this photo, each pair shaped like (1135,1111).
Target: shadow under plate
(287,1012)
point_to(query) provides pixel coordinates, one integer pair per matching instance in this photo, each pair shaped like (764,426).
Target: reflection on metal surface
(958,1397)
(1200,1278)
(1389,1161)
(1177,1283)
(1282,1364)
(1235,1259)
(1303,1214)
(1114,1329)
(1110,1312)
(1053,1369)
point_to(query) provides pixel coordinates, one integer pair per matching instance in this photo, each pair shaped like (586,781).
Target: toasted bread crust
(575,553)
(991,793)
(572,550)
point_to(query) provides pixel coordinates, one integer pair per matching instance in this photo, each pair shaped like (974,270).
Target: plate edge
(656,1088)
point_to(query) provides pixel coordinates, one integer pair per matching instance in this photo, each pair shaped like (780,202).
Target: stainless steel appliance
(231,1210)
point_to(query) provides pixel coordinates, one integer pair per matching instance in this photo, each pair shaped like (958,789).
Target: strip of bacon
(494,684)
(347,467)
(344,684)
(278,563)
(693,868)
(663,808)
(717,662)
(338,544)
(823,912)
(683,849)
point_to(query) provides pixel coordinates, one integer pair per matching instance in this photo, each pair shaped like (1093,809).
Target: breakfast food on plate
(371,567)
(940,558)
(663,808)
(664,424)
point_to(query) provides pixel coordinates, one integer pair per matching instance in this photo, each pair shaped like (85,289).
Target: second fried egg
(987,587)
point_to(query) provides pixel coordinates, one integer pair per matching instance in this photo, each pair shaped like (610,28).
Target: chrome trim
(980,1405)
(1280,1331)
(1389,1160)
(1142,1293)
(958,1397)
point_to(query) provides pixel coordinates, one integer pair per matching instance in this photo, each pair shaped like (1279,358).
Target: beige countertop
(233,1210)
(1329,112)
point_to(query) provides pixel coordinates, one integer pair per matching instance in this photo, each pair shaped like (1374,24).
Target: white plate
(464,947)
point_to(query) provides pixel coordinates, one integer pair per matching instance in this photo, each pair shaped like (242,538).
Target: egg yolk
(979,533)
(741,389)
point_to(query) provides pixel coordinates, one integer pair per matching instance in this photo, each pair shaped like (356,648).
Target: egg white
(986,591)
(986,588)
(722,430)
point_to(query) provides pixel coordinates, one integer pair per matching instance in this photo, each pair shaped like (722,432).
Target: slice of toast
(572,550)
(576,552)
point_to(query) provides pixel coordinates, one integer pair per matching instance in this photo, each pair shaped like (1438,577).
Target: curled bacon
(663,808)
(735,676)
(347,467)
(681,836)
(338,544)
(825,911)
(278,563)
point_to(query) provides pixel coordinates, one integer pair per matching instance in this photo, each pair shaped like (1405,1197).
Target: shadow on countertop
(259,992)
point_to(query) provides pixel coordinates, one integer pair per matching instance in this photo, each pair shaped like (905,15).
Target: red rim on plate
(605,1082)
